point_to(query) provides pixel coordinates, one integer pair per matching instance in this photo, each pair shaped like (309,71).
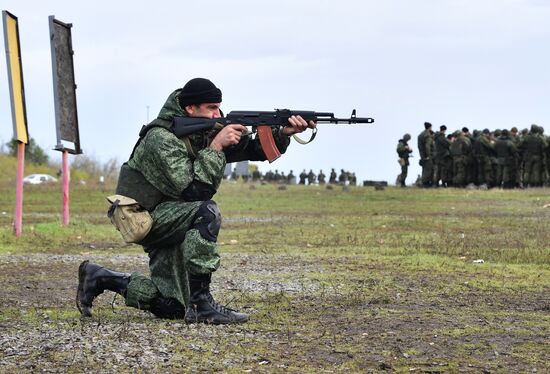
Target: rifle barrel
(348,120)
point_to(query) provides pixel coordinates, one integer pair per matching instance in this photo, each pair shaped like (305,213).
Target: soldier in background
(352,179)
(403,151)
(303,176)
(291,179)
(544,175)
(449,181)
(332,178)
(343,178)
(425,149)
(507,158)
(276,176)
(532,148)
(321,177)
(471,167)
(485,153)
(514,135)
(459,150)
(256,175)
(311,177)
(442,158)
(476,135)
(268,176)
(521,167)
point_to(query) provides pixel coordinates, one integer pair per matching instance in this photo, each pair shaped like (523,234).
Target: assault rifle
(261,122)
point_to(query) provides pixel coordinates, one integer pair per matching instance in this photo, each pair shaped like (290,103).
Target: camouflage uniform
(321,177)
(514,135)
(311,178)
(426,149)
(532,149)
(403,151)
(303,177)
(443,160)
(471,164)
(332,178)
(460,149)
(172,166)
(485,152)
(507,161)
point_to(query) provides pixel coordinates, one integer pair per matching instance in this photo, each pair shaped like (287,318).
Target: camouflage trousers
(175,249)
(485,171)
(404,163)
(532,172)
(427,171)
(459,171)
(443,171)
(506,173)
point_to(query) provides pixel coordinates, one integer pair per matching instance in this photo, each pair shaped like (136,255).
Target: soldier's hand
(228,136)
(297,124)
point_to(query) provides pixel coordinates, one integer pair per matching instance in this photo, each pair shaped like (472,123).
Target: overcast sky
(474,63)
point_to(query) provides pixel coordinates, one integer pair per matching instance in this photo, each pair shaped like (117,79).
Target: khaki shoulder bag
(132,220)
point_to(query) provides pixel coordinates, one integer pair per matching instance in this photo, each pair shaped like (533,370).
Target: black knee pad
(167,308)
(208,220)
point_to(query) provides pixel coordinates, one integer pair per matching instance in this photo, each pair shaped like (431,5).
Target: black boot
(93,279)
(203,308)
(168,308)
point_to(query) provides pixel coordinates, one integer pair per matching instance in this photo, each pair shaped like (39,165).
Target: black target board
(64,87)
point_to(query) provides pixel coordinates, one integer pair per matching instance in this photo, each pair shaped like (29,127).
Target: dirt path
(307,315)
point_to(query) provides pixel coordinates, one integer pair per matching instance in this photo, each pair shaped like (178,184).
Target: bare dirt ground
(307,314)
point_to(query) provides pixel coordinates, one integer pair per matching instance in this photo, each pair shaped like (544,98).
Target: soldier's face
(207,110)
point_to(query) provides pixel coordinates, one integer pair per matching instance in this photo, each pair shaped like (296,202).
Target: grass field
(399,280)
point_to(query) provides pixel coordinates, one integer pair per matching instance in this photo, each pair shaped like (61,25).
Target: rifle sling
(189,147)
(301,141)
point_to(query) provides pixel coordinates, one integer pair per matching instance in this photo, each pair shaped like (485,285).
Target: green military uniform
(514,135)
(160,171)
(174,179)
(485,153)
(403,151)
(471,164)
(507,160)
(459,150)
(426,150)
(443,160)
(532,148)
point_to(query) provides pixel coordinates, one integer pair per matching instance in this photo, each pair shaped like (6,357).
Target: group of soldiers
(488,159)
(310,178)
(345,177)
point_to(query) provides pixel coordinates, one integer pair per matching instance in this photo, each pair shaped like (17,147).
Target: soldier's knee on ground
(167,308)
(208,220)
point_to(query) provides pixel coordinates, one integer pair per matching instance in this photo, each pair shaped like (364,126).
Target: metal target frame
(64,87)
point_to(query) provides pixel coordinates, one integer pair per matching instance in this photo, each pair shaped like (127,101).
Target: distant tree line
(33,153)
(82,166)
